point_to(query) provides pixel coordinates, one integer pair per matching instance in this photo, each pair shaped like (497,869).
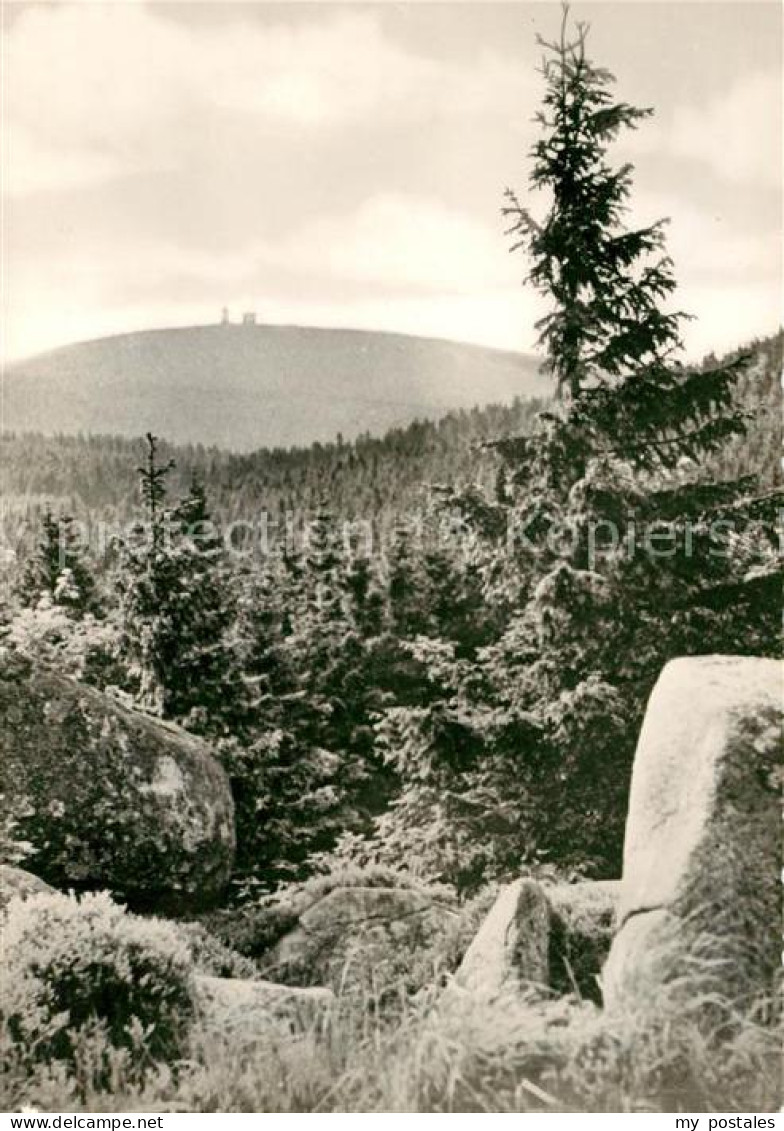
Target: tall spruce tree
(610,548)
(623,552)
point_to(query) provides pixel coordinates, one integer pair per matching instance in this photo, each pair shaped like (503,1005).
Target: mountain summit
(248,386)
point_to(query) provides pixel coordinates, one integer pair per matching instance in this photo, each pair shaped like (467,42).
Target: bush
(212,957)
(74,966)
(462,1056)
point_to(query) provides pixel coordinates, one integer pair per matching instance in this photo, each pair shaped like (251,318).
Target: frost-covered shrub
(14,848)
(72,965)
(84,647)
(209,955)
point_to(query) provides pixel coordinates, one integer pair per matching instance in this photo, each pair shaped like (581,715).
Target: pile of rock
(700,895)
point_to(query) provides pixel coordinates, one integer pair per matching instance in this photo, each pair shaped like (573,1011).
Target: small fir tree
(177,609)
(58,569)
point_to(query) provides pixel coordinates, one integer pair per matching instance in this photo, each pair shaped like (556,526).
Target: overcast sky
(343,165)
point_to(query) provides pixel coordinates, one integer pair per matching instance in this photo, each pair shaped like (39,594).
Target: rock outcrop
(246,1011)
(540,938)
(16,882)
(509,954)
(109,798)
(700,898)
(357,937)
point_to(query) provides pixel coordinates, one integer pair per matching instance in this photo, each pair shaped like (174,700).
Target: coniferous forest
(427,655)
(365,604)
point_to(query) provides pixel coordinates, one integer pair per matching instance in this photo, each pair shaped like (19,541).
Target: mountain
(376,478)
(245,387)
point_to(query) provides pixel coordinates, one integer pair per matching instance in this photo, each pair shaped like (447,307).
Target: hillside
(377,477)
(245,387)
(95,477)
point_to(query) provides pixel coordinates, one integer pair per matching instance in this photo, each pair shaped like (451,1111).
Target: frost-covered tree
(620,551)
(301,760)
(176,608)
(58,569)
(608,546)
(56,613)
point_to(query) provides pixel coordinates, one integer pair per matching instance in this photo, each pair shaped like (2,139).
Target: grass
(688,1042)
(465,1056)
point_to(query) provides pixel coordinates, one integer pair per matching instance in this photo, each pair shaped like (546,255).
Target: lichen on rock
(108,798)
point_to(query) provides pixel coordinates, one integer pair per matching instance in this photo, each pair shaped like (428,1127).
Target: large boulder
(359,938)
(108,797)
(16,882)
(700,897)
(246,1010)
(509,954)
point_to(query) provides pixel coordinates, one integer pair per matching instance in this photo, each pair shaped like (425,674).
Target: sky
(343,164)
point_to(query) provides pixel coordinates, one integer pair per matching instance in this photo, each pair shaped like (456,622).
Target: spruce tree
(619,550)
(177,608)
(622,453)
(57,569)
(58,614)
(152,487)
(406,596)
(301,764)
(609,344)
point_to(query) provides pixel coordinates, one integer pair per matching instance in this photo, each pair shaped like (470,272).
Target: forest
(388,677)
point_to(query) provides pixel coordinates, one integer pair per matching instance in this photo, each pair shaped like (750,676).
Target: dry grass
(685,1045)
(513,1056)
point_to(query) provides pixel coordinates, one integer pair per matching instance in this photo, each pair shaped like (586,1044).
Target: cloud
(708,245)
(395,254)
(97,91)
(405,262)
(402,241)
(392,241)
(728,317)
(738,133)
(32,164)
(391,245)
(323,170)
(729,277)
